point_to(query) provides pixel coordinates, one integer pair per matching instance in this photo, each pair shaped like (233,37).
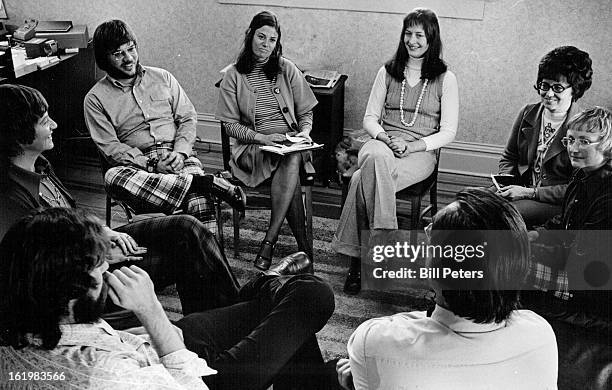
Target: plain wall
(495,59)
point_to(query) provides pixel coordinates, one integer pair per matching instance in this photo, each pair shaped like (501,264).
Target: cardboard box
(78,36)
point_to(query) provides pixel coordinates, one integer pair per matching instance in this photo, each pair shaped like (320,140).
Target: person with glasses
(476,336)
(572,268)
(144,125)
(534,155)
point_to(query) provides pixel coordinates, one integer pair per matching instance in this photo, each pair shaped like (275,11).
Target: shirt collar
(78,334)
(603,172)
(462,325)
(140,71)
(81,334)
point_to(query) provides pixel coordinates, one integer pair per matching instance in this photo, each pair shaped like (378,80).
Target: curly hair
(21,109)
(246,61)
(477,216)
(108,37)
(433,66)
(572,63)
(45,261)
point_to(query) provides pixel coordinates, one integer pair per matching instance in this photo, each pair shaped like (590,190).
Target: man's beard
(88,309)
(119,74)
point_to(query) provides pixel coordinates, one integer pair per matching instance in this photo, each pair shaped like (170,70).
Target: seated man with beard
(54,281)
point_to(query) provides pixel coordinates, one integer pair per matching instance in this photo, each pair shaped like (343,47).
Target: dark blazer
(20,196)
(519,155)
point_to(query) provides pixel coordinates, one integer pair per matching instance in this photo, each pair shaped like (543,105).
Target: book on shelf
(321,78)
(291,145)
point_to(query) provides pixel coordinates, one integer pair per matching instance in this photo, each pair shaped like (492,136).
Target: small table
(328,128)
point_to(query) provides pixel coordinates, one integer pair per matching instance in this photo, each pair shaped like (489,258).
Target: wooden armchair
(306,181)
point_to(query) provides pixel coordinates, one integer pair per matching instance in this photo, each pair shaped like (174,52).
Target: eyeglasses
(119,55)
(544,87)
(582,142)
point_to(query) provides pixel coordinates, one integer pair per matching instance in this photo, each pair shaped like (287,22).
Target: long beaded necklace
(56,199)
(418,104)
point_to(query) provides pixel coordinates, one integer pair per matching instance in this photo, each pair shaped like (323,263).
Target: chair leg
(109,207)
(236,217)
(415,218)
(307,201)
(218,215)
(433,199)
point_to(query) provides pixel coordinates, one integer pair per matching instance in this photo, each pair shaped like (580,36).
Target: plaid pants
(161,192)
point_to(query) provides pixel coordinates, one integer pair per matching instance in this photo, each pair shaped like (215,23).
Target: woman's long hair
(245,61)
(433,66)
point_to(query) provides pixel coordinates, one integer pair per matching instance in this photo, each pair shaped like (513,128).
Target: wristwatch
(534,195)
(152,164)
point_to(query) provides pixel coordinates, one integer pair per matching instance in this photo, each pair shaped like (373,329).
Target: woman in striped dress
(262,97)
(412,111)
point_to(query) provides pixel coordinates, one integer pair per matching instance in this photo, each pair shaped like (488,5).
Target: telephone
(27,31)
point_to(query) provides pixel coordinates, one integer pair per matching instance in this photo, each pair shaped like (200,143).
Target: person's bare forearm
(164,336)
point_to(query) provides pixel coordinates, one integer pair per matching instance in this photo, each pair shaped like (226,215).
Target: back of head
(20,110)
(570,62)
(476,217)
(596,120)
(108,37)
(45,260)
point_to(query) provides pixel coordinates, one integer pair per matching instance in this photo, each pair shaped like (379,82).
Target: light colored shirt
(95,356)
(449,101)
(445,351)
(125,119)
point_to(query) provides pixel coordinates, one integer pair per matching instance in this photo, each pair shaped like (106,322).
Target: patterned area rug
(350,310)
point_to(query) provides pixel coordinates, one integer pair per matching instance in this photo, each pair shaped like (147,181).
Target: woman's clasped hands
(399,146)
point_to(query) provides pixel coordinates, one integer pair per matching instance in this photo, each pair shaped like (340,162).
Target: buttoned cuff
(187,362)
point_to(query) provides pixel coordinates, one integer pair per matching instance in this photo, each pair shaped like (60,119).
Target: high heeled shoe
(264,257)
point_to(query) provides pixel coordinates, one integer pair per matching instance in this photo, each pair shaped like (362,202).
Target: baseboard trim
(471,159)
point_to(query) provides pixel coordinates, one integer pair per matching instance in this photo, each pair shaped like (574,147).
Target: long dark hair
(45,261)
(21,108)
(433,66)
(245,61)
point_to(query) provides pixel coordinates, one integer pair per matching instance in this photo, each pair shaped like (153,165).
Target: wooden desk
(328,128)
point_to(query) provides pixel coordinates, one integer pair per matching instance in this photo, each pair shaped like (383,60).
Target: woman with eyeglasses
(534,155)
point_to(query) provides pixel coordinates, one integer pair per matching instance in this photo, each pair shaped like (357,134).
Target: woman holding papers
(412,111)
(262,98)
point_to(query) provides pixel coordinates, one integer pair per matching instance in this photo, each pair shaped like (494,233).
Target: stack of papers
(291,145)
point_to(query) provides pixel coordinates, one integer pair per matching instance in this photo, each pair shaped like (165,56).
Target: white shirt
(412,351)
(449,110)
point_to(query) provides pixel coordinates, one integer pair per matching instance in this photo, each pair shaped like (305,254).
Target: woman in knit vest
(412,111)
